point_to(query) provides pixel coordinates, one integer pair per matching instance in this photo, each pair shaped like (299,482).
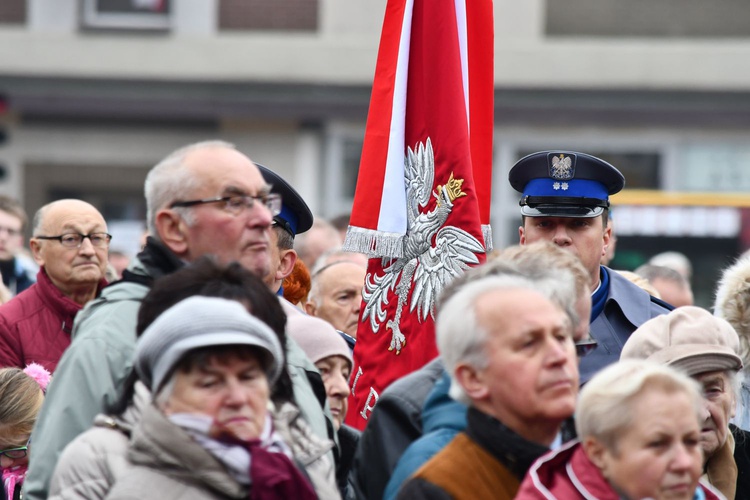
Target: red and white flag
(421,209)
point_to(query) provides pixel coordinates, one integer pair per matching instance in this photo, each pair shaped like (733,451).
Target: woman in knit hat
(208,433)
(330,353)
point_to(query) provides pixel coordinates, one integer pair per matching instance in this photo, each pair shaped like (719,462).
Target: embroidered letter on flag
(421,209)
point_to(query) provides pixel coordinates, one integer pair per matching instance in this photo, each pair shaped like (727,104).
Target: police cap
(295,216)
(564,184)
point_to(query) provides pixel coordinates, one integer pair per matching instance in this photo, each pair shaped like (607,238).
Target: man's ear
(606,238)
(310,307)
(521,236)
(36,248)
(287,259)
(472,381)
(172,231)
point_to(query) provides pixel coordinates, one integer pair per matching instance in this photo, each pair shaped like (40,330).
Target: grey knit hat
(201,322)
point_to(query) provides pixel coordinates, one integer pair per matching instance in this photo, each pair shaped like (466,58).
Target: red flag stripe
(480,41)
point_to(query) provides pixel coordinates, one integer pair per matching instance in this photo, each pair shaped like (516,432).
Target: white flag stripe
(392,216)
(464,50)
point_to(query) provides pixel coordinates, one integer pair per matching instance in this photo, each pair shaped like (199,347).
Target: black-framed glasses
(238,203)
(585,347)
(75,240)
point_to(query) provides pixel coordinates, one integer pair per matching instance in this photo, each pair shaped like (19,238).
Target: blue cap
(564,184)
(295,216)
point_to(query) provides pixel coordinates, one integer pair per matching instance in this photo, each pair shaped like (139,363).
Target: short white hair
(605,405)
(169,180)
(460,337)
(560,275)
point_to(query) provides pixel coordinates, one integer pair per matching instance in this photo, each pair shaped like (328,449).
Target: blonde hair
(605,405)
(22,399)
(733,303)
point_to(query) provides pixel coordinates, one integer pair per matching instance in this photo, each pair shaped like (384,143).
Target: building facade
(97,91)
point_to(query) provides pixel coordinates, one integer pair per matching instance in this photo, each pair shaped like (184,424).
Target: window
(127,14)
(289,15)
(648,18)
(343,151)
(13,12)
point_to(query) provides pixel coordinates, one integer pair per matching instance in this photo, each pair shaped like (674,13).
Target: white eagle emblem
(425,266)
(562,168)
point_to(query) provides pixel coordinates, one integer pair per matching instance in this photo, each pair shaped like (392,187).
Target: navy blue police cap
(295,216)
(564,184)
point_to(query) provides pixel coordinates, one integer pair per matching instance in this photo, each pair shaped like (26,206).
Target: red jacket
(568,474)
(35,325)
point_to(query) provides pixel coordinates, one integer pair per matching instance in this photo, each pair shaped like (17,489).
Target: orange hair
(297,285)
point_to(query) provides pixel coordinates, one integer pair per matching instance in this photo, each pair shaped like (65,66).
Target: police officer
(566,201)
(295,218)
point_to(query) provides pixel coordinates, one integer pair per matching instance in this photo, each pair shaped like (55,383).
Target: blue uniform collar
(599,297)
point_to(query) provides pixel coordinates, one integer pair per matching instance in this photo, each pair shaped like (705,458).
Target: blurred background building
(94,92)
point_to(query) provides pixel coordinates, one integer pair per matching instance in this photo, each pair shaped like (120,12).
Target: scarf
(263,463)
(12,477)
(721,469)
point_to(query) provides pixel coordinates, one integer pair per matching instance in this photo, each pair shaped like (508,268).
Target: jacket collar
(61,305)
(514,452)
(622,291)
(159,444)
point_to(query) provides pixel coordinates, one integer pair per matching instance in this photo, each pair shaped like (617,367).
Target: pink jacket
(568,474)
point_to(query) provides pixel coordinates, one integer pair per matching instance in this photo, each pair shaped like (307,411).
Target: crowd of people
(218,364)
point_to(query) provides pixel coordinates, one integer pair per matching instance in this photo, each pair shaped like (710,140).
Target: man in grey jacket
(565,201)
(204,199)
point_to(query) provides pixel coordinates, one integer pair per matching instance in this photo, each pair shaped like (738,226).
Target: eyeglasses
(585,347)
(14,453)
(75,240)
(18,452)
(237,204)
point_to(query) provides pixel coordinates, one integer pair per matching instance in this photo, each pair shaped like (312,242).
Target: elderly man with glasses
(70,244)
(204,199)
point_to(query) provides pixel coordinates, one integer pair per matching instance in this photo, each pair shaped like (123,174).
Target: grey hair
(284,239)
(169,180)
(605,405)
(560,275)
(460,337)
(314,294)
(36,222)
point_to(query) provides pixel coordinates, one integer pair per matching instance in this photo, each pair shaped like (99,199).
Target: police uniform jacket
(626,308)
